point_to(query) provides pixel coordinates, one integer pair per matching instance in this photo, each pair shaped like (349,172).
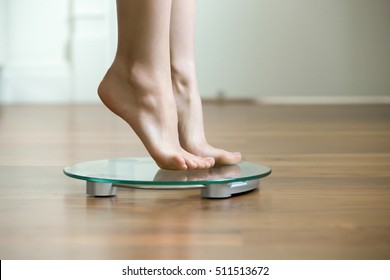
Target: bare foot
(190,115)
(146,103)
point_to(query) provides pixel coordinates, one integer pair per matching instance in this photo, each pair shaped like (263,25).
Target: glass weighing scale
(103,177)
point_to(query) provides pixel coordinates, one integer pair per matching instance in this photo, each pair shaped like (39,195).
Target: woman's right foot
(147,104)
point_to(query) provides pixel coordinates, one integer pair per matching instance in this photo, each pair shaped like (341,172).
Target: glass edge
(167,183)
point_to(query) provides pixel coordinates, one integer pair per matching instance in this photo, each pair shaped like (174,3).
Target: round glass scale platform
(103,177)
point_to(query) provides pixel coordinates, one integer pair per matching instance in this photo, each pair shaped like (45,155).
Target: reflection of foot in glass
(181,175)
(189,107)
(137,87)
(163,175)
(225,171)
(215,173)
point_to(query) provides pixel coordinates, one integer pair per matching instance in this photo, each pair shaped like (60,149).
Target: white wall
(294,48)
(2,42)
(57,51)
(2,32)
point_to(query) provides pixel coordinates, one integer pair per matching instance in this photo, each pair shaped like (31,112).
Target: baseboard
(312,100)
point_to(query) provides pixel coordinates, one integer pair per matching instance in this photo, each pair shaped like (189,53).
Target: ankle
(140,76)
(183,78)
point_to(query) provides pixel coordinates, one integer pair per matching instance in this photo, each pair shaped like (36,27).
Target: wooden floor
(327,198)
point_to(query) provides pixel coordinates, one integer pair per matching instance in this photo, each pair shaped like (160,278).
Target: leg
(138,88)
(189,107)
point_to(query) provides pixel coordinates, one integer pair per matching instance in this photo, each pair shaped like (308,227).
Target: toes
(211,156)
(192,164)
(200,162)
(227,158)
(174,162)
(210,162)
(195,162)
(179,162)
